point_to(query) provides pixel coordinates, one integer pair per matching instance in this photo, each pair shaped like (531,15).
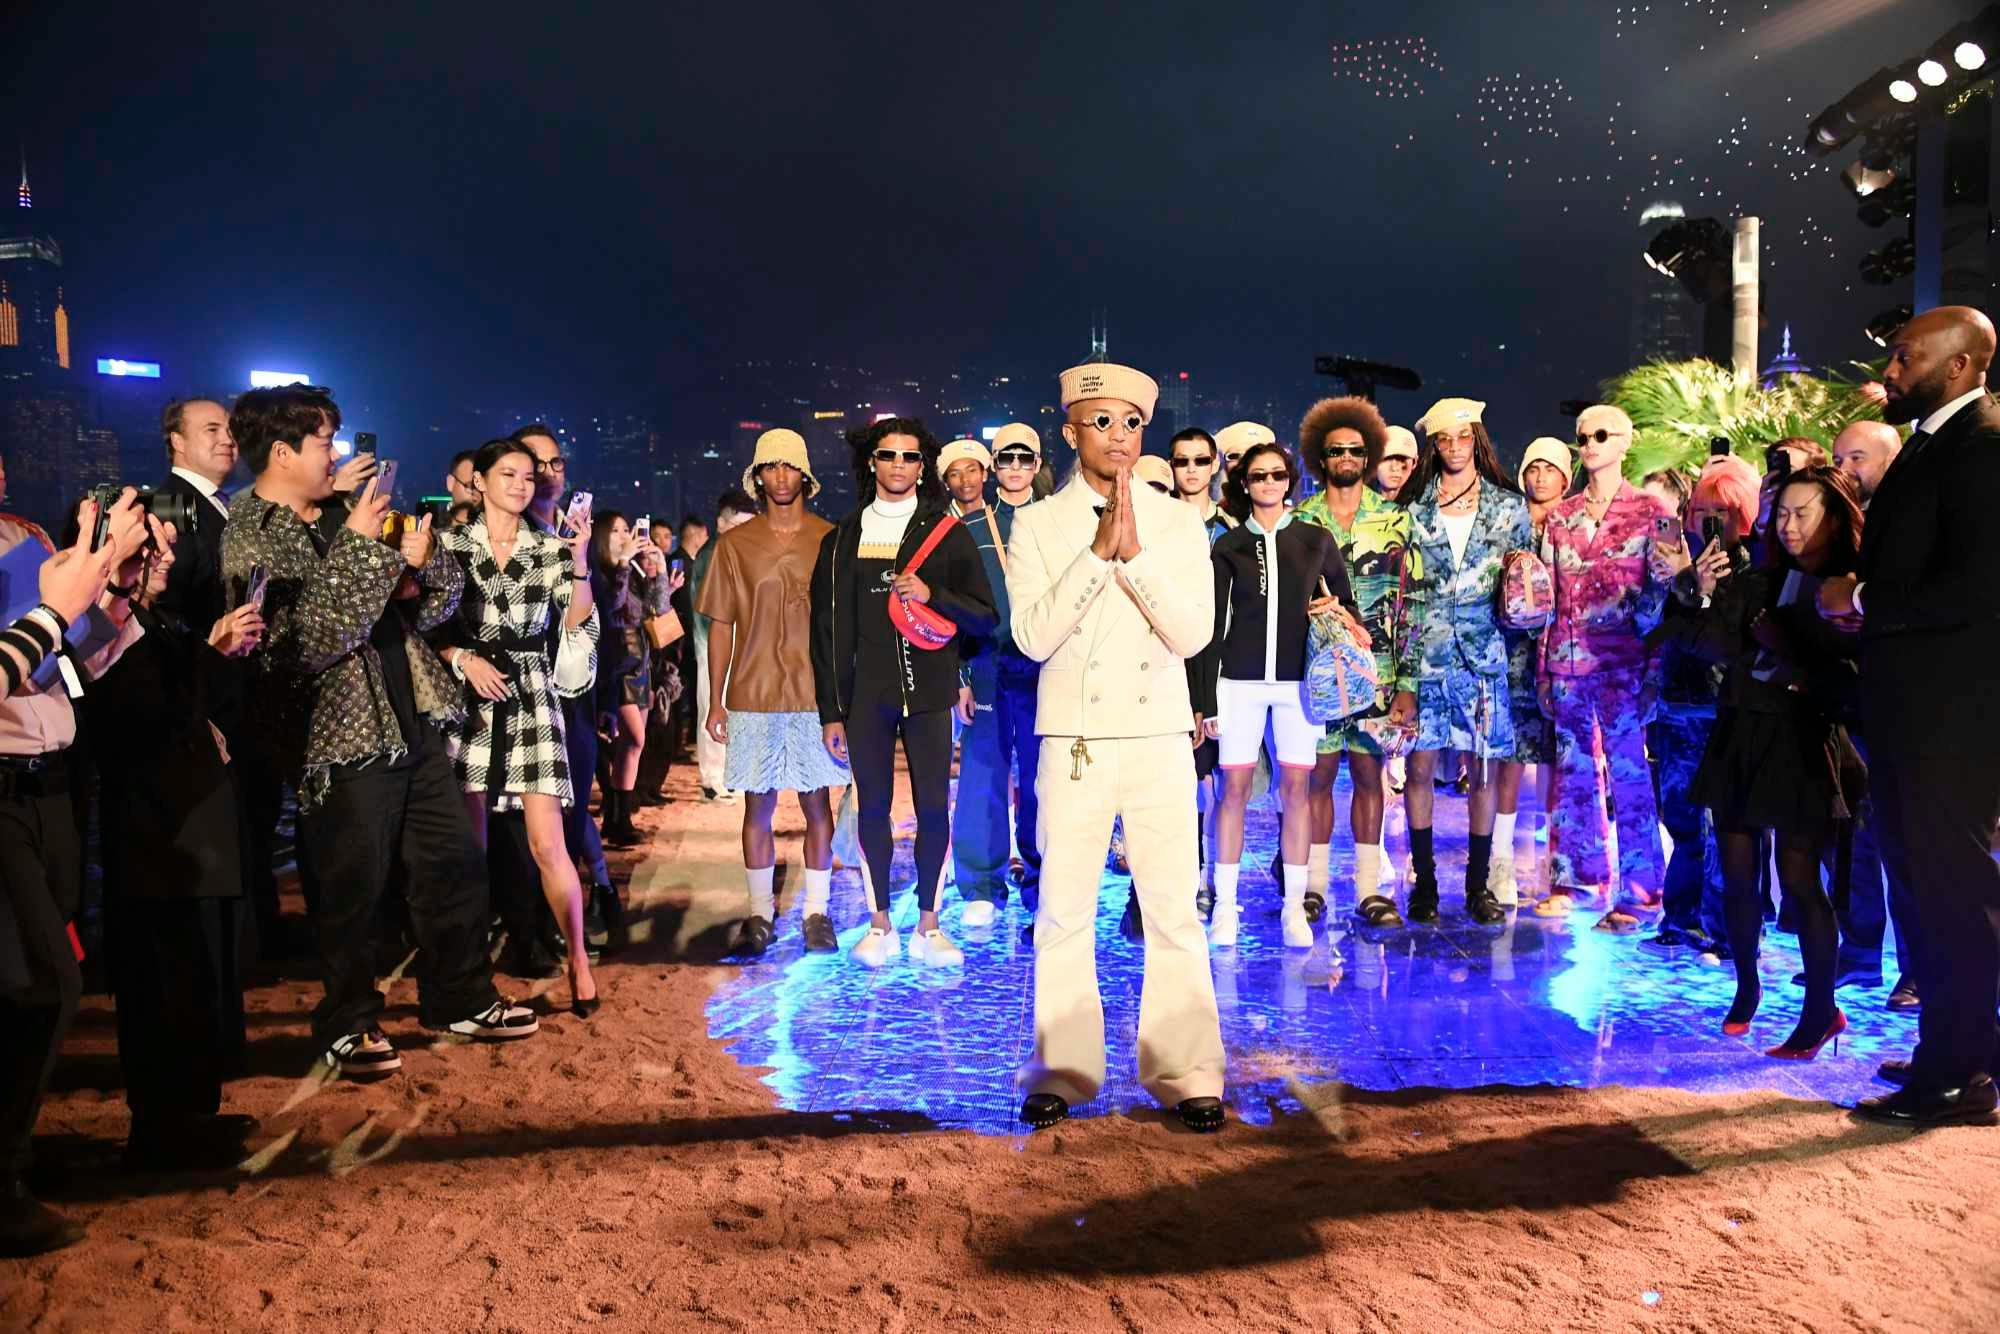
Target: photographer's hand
(366,516)
(349,477)
(127,530)
(72,579)
(238,631)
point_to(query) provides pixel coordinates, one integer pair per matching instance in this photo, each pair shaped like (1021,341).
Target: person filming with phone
(354,699)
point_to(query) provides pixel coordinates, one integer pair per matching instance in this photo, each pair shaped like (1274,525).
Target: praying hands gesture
(1117,535)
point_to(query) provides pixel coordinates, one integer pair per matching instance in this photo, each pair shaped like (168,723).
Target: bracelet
(575,575)
(62,622)
(127,592)
(457,663)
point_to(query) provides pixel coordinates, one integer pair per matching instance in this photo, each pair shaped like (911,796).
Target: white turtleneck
(883,524)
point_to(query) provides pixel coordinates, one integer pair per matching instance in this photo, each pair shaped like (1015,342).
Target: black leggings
(872,725)
(1743,910)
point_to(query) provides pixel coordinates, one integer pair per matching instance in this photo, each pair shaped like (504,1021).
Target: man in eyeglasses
(1112,592)
(1342,442)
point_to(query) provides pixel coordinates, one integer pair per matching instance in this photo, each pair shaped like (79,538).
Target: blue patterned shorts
(1466,712)
(779,752)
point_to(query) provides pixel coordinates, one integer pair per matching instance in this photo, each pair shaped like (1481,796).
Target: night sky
(585,204)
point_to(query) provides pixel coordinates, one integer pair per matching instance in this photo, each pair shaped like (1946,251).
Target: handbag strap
(945,523)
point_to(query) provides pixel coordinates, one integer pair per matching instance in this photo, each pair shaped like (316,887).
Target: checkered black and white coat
(515,745)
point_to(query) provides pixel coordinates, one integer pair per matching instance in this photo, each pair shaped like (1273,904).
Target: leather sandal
(1378,912)
(1042,1110)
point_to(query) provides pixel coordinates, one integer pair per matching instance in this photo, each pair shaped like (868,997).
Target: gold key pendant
(1079,755)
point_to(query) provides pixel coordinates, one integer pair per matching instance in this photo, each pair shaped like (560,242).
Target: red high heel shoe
(1833,1032)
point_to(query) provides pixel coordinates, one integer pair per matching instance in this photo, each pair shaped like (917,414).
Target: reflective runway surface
(1451,1006)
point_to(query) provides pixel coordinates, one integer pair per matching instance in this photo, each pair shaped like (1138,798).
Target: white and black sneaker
(498,1022)
(365,1055)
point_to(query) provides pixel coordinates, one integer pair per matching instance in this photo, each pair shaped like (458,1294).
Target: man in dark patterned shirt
(353,698)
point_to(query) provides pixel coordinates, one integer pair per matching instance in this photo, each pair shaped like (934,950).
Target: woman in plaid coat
(509,752)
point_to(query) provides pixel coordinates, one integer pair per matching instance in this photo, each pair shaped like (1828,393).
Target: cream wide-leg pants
(1150,782)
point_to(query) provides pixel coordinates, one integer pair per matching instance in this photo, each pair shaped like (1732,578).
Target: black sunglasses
(1345,451)
(1019,458)
(1274,475)
(899,456)
(1600,435)
(1185,461)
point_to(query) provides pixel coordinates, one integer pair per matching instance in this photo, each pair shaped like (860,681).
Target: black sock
(1422,860)
(1478,861)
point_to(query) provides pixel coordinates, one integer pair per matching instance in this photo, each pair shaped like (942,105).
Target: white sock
(1295,885)
(818,891)
(1225,884)
(1503,835)
(762,904)
(1316,868)
(1367,869)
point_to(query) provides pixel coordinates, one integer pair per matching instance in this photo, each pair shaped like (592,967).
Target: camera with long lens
(183,512)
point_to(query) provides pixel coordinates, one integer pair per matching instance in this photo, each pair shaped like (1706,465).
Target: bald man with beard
(1864,451)
(1927,601)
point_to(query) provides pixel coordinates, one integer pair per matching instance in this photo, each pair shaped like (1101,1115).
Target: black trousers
(41,870)
(873,725)
(580,832)
(174,972)
(374,821)
(1937,798)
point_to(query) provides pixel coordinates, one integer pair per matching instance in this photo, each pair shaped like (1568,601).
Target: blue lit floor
(1452,1006)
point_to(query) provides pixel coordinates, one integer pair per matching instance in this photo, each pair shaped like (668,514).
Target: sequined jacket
(1606,595)
(1460,627)
(1387,574)
(315,680)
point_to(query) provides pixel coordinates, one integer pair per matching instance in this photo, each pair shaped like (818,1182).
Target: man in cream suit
(1111,591)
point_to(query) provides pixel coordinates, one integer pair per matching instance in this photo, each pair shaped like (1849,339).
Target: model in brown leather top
(760,583)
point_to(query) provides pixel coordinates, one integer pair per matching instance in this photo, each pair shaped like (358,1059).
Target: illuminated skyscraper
(1665,324)
(34,326)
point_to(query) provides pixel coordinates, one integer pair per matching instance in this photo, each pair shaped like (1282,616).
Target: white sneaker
(499,1022)
(934,948)
(979,912)
(1298,931)
(877,947)
(1222,926)
(365,1055)
(1500,879)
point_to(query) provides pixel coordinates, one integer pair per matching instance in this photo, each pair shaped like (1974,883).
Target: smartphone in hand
(254,586)
(578,511)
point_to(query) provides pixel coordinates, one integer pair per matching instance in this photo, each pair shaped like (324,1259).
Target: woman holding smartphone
(626,594)
(510,752)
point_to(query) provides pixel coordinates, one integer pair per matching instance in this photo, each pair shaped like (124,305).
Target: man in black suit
(201,455)
(1927,601)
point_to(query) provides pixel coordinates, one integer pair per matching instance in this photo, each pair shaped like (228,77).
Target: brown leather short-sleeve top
(760,583)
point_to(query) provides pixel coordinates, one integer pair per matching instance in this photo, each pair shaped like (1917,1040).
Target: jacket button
(1093,666)
(1094,699)
(1145,666)
(1142,699)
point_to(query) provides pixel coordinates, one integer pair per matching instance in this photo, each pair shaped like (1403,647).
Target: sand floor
(628,1173)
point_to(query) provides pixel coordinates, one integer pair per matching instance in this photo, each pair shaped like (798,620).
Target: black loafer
(1905,997)
(1893,1071)
(1042,1110)
(1975,1102)
(1204,1116)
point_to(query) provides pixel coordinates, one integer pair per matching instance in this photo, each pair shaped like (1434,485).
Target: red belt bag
(915,621)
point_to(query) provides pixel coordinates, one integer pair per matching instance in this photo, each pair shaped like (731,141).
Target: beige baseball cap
(1401,444)
(1238,437)
(1152,468)
(1017,433)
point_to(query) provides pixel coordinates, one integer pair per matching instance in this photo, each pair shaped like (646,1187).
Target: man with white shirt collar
(1928,609)
(201,454)
(1111,591)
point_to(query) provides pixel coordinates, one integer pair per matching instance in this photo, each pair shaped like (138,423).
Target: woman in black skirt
(626,596)
(1779,758)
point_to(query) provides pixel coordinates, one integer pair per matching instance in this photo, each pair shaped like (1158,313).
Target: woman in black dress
(626,596)
(1779,758)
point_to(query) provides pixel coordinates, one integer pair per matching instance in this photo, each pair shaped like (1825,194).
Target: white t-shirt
(1458,527)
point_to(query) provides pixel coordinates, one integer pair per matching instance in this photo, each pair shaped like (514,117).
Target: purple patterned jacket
(1606,597)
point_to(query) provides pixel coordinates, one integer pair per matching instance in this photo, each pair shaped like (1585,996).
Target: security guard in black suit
(1927,600)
